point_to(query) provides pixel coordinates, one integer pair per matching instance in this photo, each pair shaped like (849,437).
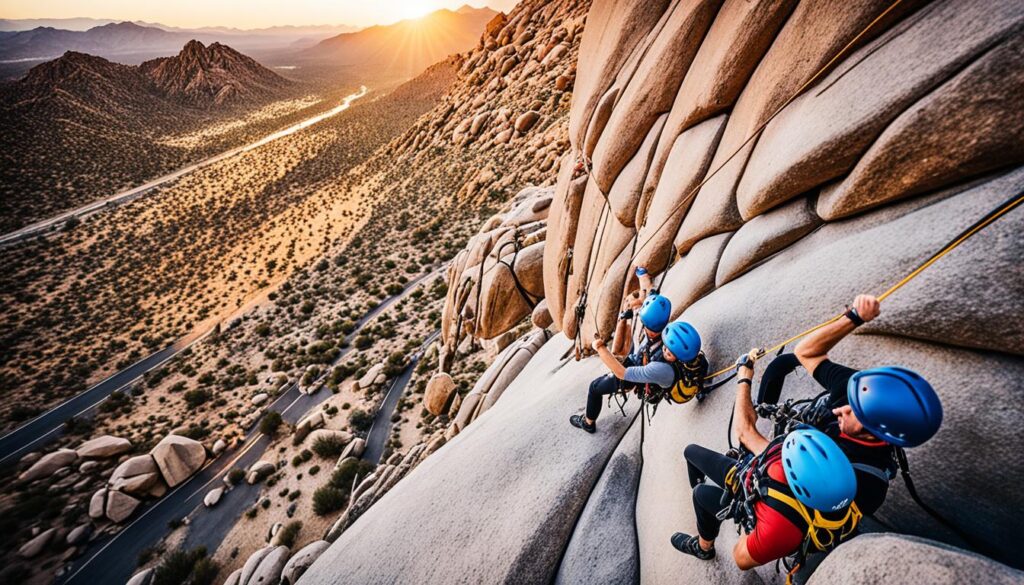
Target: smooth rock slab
(821,134)
(603,547)
(451,499)
(882,559)
(970,125)
(563,219)
(694,274)
(36,545)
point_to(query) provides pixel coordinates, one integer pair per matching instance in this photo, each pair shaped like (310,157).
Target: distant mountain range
(121,38)
(409,46)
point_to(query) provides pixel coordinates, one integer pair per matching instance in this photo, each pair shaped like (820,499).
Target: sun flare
(416,8)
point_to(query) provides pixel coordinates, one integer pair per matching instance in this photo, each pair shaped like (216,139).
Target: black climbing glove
(626,315)
(744,361)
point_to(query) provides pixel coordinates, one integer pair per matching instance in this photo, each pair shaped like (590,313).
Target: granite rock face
(902,130)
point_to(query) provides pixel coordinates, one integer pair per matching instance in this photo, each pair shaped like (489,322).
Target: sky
(240,13)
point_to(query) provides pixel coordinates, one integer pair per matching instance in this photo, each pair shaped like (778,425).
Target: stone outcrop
(178,458)
(439,392)
(103,447)
(48,464)
(301,561)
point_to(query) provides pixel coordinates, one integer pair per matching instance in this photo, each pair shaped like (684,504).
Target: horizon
(243,16)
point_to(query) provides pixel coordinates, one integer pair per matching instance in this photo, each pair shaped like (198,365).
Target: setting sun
(416,8)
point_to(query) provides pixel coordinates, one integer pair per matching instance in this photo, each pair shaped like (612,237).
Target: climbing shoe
(690,545)
(578,420)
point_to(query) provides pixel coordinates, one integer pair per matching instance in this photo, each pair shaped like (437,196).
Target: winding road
(136,192)
(113,559)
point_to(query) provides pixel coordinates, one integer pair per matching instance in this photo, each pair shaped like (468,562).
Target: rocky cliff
(768,161)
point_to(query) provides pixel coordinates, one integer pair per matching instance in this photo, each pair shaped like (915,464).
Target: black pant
(702,464)
(774,377)
(601,387)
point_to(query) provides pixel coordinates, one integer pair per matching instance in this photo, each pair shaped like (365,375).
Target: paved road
(114,558)
(380,430)
(135,192)
(50,425)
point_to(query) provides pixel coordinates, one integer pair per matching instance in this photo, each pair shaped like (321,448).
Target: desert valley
(263,288)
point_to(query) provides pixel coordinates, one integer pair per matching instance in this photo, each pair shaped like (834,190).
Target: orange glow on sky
(241,13)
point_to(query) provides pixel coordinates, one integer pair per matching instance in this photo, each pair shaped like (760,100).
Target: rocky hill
(108,39)
(767,161)
(409,46)
(63,113)
(212,75)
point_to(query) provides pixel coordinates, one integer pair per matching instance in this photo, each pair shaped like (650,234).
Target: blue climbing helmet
(895,404)
(682,340)
(817,470)
(655,312)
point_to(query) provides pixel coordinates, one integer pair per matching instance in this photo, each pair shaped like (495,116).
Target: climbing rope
(962,237)
(753,135)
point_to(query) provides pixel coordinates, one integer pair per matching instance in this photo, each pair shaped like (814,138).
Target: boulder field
(900,128)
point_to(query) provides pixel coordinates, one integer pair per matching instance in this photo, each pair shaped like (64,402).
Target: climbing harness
(749,482)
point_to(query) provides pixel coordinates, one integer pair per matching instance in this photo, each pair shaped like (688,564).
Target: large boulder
(258,471)
(813,35)
(966,127)
(821,134)
(103,447)
(372,377)
(143,577)
(49,463)
(765,235)
(178,458)
(881,559)
(738,38)
(439,392)
(652,87)
(120,506)
(562,222)
(624,195)
(301,561)
(502,303)
(659,217)
(36,545)
(613,28)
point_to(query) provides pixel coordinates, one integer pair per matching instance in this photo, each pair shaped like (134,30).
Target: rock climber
(667,357)
(867,414)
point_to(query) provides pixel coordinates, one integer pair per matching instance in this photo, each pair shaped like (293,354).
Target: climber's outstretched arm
(614,366)
(813,349)
(744,416)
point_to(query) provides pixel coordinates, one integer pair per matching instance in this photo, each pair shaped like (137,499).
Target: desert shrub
(327,499)
(314,470)
(235,476)
(270,423)
(360,420)
(328,446)
(180,567)
(195,398)
(347,471)
(290,533)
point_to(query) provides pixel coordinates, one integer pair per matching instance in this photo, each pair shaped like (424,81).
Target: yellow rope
(988,220)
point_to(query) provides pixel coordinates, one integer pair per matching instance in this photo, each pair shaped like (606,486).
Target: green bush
(180,567)
(195,398)
(360,420)
(327,499)
(290,533)
(328,446)
(347,471)
(235,476)
(270,423)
